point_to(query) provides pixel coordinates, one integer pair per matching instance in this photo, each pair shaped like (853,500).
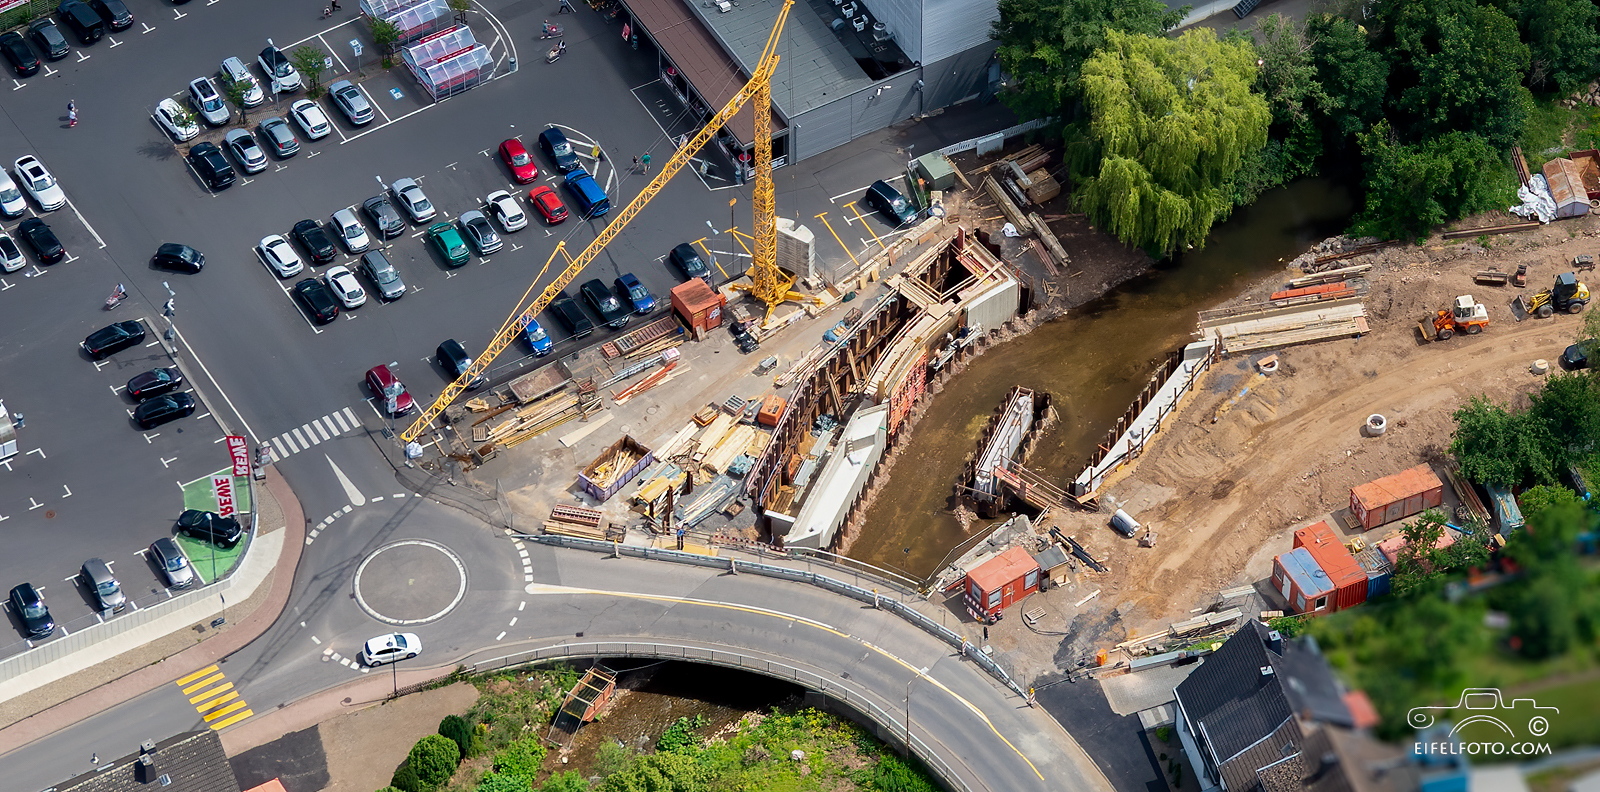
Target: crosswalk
(300,438)
(214,698)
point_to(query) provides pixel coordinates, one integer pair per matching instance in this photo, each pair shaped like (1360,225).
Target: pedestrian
(635,162)
(334,4)
(72,113)
(566,6)
(986,632)
(645,161)
(94,759)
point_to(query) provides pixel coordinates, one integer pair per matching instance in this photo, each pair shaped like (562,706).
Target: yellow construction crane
(772,285)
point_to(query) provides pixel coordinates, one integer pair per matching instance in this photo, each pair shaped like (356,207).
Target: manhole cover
(414,581)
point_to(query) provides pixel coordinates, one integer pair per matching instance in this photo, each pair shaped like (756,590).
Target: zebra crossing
(214,698)
(307,435)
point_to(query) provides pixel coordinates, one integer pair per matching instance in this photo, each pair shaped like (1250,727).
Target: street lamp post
(920,673)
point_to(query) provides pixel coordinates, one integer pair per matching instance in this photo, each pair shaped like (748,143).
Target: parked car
(243,146)
(279,70)
(390,648)
(114,338)
(107,591)
(505,209)
(352,102)
(567,310)
(389,391)
(208,102)
(11,258)
(480,233)
(116,15)
(174,565)
(234,71)
(179,258)
(48,38)
(413,200)
(211,166)
(39,183)
(351,233)
(319,302)
(83,20)
(314,239)
(279,137)
(688,261)
(453,358)
(1577,356)
(555,145)
(548,203)
(604,302)
(382,213)
(310,119)
(224,532)
(155,382)
(43,241)
(28,604)
(516,157)
(163,409)
(537,339)
(890,203)
(12,204)
(178,122)
(741,336)
(447,240)
(642,300)
(344,285)
(23,62)
(385,278)
(279,256)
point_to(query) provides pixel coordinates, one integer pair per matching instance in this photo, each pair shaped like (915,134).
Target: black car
(111,339)
(571,314)
(179,258)
(23,62)
(555,145)
(211,166)
(42,240)
(155,382)
(83,20)
(47,37)
(455,361)
(689,262)
(318,300)
(605,302)
(224,532)
(384,216)
(890,203)
(114,13)
(29,606)
(161,409)
(1577,356)
(315,240)
(741,336)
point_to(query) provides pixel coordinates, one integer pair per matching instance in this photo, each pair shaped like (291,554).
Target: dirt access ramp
(1224,495)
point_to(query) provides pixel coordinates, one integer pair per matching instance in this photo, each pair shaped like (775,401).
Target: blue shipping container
(1378,571)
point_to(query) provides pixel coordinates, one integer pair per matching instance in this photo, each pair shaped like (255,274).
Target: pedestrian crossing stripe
(218,704)
(307,435)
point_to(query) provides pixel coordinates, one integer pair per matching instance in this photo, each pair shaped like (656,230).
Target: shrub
(895,775)
(496,782)
(612,757)
(521,759)
(679,737)
(569,781)
(391,789)
(434,759)
(461,732)
(405,779)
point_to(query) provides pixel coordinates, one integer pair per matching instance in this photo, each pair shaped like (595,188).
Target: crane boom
(759,85)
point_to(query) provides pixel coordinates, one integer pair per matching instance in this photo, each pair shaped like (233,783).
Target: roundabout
(410,582)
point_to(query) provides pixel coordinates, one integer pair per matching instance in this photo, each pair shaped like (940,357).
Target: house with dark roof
(190,762)
(1266,714)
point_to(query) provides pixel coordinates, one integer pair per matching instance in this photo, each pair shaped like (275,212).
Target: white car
(39,183)
(506,210)
(391,647)
(11,258)
(203,94)
(311,119)
(279,256)
(413,200)
(234,70)
(345,286)
(12,203)
(279,70)
(351,232)
(178,122)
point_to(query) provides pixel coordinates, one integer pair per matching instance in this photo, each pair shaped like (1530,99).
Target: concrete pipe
(1376,425)
(1541,366)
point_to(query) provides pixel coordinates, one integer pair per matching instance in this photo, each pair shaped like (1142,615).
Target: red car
(396,400)
(516,157)
(544,199)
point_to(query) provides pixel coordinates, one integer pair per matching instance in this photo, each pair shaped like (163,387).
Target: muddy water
(1093,361)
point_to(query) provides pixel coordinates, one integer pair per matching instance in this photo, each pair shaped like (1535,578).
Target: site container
(1506,511)
(700,306)
(1392,546)
(1396,497)
(1348,578)
(1303,584)
(1566,187)
(1378,571)
(1000,582)
(615,467)
(1588,162)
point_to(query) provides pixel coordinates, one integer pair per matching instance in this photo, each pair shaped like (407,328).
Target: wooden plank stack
(578,521)
(527,422)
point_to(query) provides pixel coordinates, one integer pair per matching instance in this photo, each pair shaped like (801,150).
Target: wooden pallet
(632,340)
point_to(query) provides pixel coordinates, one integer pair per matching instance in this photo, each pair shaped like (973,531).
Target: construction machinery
(1465,316)
(1568,295)
(771,285)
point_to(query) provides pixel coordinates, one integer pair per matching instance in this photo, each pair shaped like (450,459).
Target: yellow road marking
(220,725)
(234,707)
(222,688)
(824,218)
(211,669)
(217,702)
(865,226)
(207,682)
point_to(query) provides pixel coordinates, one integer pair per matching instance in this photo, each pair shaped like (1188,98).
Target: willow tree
(1173,119)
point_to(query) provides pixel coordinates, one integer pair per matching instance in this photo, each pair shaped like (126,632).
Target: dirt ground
(365,747)
(1224,496)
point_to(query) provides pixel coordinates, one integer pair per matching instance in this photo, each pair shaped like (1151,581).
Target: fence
(988,144)
(957,641)
(837,692)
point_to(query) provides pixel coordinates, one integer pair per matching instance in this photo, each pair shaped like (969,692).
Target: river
(1093,362)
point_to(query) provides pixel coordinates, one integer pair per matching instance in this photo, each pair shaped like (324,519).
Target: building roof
(1002,569)
(1330,554)
(704,62)
(1307,575)
(1050,557)
(814,67)
(1398,487)
(1339,760)
(1392,546)
(194,762)
(271,786)
(1236,704)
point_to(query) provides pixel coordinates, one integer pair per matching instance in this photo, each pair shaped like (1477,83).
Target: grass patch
(1553,130)
(1578,701)
(198,494)
(209,561)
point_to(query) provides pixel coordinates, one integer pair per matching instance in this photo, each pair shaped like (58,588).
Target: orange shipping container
(700,306)
(1346,575)
(1396,497)
(771,410)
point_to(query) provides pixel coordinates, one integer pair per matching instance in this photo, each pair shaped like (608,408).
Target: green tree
(568,781)
(662,772)
(1455,66)
(235,91)
(461,732)
(1417,565)
(1496,446)
(1351,77)
(310,62)
(385,35)
(1288,80)
(405,779)
(1563,38)
(434,760)
(496,782)
(679,736)
(1412,188)
(460,7)
(1567,411)
(1536,499)
(521,758)
(1174,119)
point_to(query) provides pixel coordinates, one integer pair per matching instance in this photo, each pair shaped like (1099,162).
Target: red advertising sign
(239,449)
(223,487)
(7,5)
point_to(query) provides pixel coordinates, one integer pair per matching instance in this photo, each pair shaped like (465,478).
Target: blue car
(642,300)
(536,338)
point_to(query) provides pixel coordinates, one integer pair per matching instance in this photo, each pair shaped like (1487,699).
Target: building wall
(957,77)
(950,27)
(904,18)
(849,117)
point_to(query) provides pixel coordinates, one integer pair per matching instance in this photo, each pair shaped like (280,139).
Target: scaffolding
(449,62)
(582,704)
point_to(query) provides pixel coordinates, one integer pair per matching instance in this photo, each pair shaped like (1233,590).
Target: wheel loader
(1568,295)
(1465,316)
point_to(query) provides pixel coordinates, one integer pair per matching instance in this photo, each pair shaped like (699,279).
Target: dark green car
(447,240)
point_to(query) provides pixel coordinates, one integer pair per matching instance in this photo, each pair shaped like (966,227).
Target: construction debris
(614,468)
(580,522)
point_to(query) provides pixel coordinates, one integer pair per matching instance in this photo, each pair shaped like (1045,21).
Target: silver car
(351,232)
(279,137)
(311,119)
(244,149)
(174,565)
(11,201)
(208,102)
(97,576)
(383,275)
(413,200)
(480,233)
(234,71)
(352,102)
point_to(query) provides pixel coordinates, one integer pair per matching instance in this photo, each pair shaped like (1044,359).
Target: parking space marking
(147,28)
(114,42)
(69,491)
(49,72)
(35,503)
(18,84)
(180,15)
(151,437)
(40,452)
(167,463)
(82,57)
